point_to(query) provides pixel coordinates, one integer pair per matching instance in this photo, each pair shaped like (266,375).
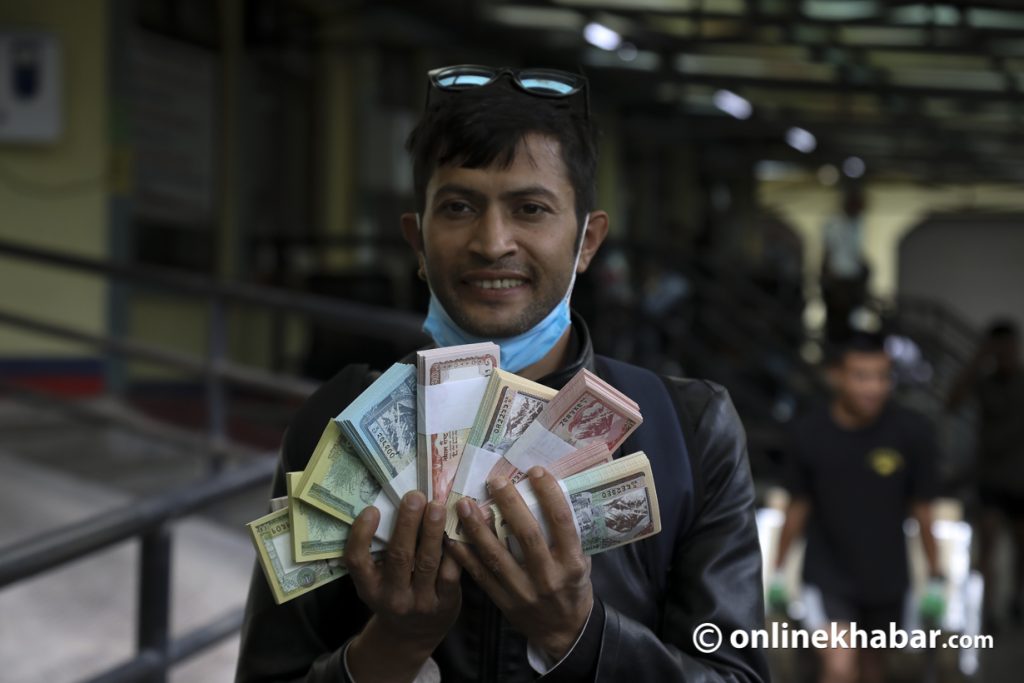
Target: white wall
(973,264)
(55,195)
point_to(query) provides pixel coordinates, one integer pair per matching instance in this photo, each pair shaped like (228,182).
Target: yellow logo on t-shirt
(885,461)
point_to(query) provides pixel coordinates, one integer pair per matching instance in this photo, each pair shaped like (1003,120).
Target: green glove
(933,601)
(778,596)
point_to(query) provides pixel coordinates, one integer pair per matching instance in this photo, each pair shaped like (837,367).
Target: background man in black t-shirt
(857,468)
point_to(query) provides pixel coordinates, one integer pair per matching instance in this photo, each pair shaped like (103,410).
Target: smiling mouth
(504,283)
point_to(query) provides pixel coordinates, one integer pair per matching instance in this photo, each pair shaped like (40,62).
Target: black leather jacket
(714,575)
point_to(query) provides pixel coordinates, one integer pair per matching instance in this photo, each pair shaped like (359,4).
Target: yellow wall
(893,209)
(55,195)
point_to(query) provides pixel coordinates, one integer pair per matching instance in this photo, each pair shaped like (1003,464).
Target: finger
(449,577)
(491,552)
(357,557)
(464,556)
(428,554)
(401,551)
(525,527)
(564,535)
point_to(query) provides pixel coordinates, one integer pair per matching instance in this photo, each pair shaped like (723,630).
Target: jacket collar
(581,353)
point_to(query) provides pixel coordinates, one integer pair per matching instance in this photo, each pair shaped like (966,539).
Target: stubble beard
(534,312)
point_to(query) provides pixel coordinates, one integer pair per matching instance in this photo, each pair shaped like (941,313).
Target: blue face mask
(517,352)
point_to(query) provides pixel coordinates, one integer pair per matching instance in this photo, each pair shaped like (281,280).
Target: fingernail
(536,472)
(498,484)
(465,508)
(435,511)
(413,500)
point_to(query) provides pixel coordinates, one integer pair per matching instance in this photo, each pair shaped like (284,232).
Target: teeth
(497,284)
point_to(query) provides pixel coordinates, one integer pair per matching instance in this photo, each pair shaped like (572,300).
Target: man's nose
(494,236)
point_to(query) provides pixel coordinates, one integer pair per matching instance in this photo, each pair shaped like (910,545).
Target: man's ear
(411,231)
(597,230)
(414,237)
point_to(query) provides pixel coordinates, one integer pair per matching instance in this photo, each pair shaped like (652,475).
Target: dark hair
(856,342)
(479,127)
(1003,328)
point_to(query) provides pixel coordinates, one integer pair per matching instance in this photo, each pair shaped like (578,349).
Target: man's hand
(550,597)
(414,593)
(778,594)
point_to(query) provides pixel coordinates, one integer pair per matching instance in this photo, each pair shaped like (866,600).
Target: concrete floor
(55,471)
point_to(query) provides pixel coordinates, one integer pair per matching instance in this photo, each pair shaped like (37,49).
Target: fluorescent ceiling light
(801,140)
(732,104)
(644,60)
(854,167)
(554,18)
(601,36)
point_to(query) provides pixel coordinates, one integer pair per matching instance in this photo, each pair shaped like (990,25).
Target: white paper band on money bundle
(530,498)
(537,446)
(453,405)
(388,512)
(471,478)
(406,480)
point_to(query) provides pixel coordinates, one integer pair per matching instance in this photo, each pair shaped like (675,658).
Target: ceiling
(930,90)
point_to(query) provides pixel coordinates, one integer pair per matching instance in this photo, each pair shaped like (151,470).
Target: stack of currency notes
(510,404)
(449,426)
(451,382)
(614,504)
(381,425)
(586,410)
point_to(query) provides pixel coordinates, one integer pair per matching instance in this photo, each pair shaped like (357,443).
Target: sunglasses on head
(548,83)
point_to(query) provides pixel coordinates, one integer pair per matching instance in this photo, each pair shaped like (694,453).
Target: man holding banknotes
(508,504)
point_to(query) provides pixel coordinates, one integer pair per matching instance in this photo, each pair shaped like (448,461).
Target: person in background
(857,468)
(995,378)
(844,272)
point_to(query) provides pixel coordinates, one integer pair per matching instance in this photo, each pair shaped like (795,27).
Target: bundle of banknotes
(448,426)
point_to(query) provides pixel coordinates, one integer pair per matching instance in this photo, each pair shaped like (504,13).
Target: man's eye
(532,209)
(457,207)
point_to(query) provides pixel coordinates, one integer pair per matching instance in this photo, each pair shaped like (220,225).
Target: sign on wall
(30,87)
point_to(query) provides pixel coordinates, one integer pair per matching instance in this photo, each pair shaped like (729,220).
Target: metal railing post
(216,396)
(154,608)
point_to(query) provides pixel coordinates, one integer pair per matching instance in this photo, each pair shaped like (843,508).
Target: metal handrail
(23,559)
(238,374)
(383,322)
(149,521)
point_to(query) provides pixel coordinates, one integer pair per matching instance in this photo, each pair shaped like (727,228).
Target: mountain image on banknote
(452,381)
(381,424)
(613,504)
(288,579)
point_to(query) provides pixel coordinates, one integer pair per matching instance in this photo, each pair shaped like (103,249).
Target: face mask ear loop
(419,227)
(576,260)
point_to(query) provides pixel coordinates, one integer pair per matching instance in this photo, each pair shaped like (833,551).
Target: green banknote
(288,579)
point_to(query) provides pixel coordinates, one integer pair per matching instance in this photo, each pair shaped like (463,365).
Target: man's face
(863,382)
(498,242)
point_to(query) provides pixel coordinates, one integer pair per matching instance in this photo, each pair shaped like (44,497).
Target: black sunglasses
(549,83)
